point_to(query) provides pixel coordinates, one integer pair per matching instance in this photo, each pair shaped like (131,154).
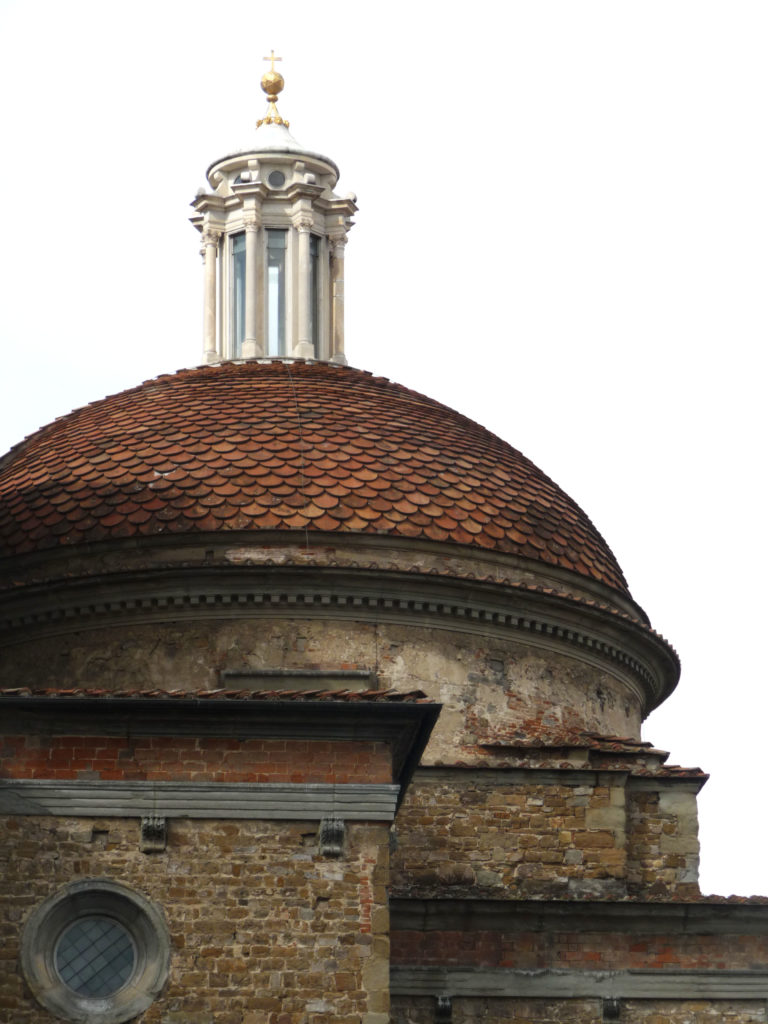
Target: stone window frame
(143,921)
(299,679)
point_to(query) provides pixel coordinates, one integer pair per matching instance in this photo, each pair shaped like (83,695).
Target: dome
(287,446)
(271,139)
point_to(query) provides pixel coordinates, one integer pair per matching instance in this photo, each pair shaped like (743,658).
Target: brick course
(580,950)
(188,758)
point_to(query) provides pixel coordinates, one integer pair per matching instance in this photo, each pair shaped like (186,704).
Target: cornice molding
(404,725)
(551,776)
(289,548)
(555,622)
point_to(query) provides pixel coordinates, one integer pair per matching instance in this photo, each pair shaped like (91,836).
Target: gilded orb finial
(272,83)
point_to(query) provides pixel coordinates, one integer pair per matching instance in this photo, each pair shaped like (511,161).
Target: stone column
(261,301)
(337,298)
(253,345)
(304,349)
(210,248)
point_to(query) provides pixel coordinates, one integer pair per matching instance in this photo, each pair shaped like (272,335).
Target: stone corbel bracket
(154,835)
(331,836)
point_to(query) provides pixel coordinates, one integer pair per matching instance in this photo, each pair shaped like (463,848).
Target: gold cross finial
(272,83)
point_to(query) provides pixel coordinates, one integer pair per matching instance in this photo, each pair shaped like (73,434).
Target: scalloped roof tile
(287,445)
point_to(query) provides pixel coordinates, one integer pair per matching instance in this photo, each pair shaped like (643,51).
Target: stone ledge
(269,801)
(531,775)
(559,984)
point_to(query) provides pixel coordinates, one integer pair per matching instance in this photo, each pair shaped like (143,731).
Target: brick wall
(216,759)
(263,929)
(579,950)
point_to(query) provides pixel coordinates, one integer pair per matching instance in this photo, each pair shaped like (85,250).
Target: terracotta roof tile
(250,696)
(377,456)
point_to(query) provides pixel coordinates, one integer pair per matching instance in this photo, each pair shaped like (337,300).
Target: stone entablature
(502,654)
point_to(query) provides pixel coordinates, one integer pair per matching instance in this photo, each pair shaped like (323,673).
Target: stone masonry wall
(263,929)
(663,842)
(473,833)
(408,1010)
(509,841)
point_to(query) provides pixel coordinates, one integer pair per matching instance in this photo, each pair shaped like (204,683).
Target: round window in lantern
(95,951)
(276,179)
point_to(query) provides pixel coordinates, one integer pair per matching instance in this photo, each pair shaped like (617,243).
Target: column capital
(302,221)
(211,236)
(337,240)
(252,221)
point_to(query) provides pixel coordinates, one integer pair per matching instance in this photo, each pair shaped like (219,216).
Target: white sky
(562,233)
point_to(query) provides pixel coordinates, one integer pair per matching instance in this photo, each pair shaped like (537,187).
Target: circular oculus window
(276,179)
(95,956)
(95,951)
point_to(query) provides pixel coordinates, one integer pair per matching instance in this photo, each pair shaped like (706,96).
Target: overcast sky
(562,233)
